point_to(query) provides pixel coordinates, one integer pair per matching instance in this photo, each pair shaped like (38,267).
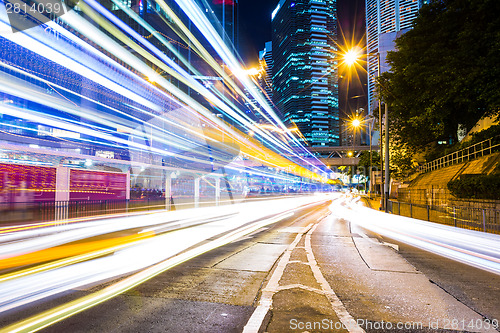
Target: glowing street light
(354,123)
(351,57)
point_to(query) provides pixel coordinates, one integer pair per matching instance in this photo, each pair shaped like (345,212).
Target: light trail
(49,53)
(55,315)
(64,251)
(232,222)
(183,77)
(23,241)
(201,21)
(474,248)
(165,137)
(106,67)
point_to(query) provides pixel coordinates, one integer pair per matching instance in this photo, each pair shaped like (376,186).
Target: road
(317,267)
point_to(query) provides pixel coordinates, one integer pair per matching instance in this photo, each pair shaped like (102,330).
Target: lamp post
(357,123)
(371,155)
(382,155)
(370,119)
(351,57)
(386,159)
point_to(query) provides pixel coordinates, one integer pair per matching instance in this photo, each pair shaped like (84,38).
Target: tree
(402,160)
(364,160)
(445,73)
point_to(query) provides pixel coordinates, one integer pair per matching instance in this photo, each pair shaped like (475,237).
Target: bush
(476,187)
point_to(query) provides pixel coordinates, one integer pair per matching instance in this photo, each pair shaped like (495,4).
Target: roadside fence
(479,219)
(15,212)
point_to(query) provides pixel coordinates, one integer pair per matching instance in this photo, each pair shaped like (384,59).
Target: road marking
(293,230)
(337,305)
(298,262)
(266,300)
(300,286)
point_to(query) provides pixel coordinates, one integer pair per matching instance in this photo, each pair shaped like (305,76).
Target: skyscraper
(266,68)
(305,79)
(385,21)
(223,14)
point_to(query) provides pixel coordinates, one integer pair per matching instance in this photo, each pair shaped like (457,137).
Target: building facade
(223,15)
(385,21)
(305,78)
(266,71)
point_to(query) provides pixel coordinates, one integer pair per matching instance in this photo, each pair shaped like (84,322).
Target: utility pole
(387,175)
(380,139)
(371,155)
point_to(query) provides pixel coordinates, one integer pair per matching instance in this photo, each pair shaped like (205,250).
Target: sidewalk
(373,203)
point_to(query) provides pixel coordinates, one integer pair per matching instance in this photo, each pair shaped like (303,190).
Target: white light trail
(471,247)
(34,45)
(238,220)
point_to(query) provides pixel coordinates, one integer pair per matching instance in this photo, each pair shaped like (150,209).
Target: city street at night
(316,266)
(253,166)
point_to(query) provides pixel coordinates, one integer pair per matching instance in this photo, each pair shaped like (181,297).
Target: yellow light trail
(68,261)
(50,317)
(70,250)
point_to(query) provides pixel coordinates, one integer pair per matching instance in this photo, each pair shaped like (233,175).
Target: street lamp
(357,123)
(351,57)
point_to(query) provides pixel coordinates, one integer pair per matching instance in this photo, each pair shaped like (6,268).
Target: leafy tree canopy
(445,73)
(365,162)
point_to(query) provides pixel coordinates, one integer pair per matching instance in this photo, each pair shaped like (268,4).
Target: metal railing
(14,212)
(432,195)
(479,219)
(477,150)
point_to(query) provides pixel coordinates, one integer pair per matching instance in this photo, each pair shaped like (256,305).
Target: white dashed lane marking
(255,322)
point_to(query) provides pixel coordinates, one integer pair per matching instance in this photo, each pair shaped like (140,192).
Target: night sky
(255,30)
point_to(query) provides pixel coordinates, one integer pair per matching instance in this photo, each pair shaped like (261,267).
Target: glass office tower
(305,78)
(385,21)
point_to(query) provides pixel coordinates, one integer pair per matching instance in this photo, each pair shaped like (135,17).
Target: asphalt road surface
(313,272)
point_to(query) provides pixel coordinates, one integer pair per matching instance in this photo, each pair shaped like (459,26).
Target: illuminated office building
(223,15)
(263,78)
(266,71)
(385,21)
(305,79)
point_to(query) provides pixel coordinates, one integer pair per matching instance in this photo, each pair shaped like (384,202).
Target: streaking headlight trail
(151,255)
(471,247)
